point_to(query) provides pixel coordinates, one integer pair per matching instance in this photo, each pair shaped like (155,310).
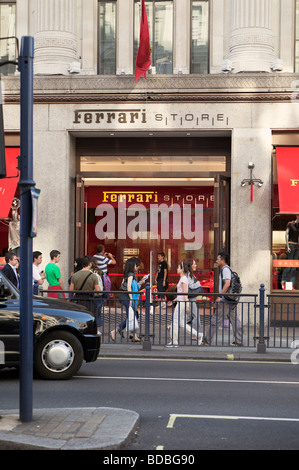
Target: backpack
(235,287)
(107,285)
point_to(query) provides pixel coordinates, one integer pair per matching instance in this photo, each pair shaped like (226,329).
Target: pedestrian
(162,277)
(224,308)
(126,296)
(77,267)
(182,309)
(194,289)
(53,275)
(38,276)
(104,259)
(10,269)
(86,281)
(292,243)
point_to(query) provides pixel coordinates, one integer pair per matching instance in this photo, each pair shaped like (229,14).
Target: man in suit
(10,270)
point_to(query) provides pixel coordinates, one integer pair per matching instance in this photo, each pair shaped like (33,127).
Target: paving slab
(68,429)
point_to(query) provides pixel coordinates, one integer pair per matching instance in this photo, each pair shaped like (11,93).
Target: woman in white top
(182,308)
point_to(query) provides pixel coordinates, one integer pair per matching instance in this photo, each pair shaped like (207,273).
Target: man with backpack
(225,304)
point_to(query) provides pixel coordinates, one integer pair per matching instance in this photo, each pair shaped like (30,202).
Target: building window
(160,21)
(199,37)
(7,30)
(297,38)
(107,37)
(285,218)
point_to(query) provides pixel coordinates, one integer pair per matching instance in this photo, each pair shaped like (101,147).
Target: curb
(68,429)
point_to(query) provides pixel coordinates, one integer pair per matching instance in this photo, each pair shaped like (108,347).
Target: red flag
(143,58)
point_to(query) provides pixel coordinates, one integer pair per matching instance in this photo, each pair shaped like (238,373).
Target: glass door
(221,220)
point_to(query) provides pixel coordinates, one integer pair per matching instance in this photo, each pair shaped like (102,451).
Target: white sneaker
(172,345)
(200,337)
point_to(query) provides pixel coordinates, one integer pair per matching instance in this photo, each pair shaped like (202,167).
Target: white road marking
(216,361)
(174,379)
(173,417)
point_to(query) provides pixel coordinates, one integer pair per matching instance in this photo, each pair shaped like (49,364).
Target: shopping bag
(132,322)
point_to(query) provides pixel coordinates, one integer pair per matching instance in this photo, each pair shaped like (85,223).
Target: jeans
(292,254)
(125,302)
(194,318)
(99,301)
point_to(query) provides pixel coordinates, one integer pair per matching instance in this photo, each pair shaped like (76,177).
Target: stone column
(251,39)
(55,38)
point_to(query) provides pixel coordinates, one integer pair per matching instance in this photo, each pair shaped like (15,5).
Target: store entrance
(142,212)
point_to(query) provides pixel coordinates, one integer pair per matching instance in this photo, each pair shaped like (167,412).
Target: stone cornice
(173,88)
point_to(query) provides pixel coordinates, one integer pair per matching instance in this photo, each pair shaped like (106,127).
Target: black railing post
(147,346)
(35,288)
(261,346)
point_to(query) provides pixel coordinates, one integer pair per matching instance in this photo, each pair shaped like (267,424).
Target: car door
(9,324)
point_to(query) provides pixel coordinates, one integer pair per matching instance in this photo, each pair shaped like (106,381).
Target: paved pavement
(108,428)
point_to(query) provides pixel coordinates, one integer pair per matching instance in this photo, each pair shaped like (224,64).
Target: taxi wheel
(58,355)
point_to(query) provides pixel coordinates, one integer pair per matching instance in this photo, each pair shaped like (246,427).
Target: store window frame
(192,63)
(280,258)
(102,68)
(9,44)
(220,181)
(166,66)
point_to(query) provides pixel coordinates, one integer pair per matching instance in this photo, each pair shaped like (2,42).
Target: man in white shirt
(37,274)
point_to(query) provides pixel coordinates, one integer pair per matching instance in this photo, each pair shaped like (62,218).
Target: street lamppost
(26,184)
(28,208)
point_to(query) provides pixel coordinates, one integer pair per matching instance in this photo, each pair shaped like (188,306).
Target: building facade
(162,164)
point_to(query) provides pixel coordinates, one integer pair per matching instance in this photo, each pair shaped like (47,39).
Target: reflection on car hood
(46,302)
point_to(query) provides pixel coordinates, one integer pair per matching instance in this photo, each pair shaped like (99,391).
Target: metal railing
(265,321)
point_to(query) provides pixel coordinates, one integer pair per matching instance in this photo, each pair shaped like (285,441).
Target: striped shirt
(103,262)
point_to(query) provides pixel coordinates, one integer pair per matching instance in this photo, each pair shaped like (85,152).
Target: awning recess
(8,185)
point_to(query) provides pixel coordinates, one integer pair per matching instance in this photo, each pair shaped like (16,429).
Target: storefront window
(144,220)
(144,195)
(160,21)
(200,37)
(285,217)
(7,30)
(107,37)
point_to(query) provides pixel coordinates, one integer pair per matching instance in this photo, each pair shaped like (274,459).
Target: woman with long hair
(194,289)
(126,296)
(182,309)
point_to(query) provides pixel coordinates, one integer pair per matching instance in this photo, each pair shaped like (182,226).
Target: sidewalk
(208,353)
(109,428)
(68,429)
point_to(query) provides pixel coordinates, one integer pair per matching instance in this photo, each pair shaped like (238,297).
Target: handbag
(131,322)
(195,292)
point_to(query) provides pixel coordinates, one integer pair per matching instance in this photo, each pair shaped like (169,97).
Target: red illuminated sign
(288,179)
(8,185)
